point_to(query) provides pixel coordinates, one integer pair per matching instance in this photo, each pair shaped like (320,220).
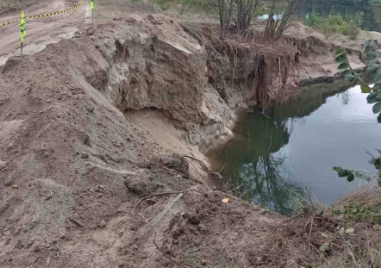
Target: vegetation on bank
(376,3)
(336,24)
(241,13)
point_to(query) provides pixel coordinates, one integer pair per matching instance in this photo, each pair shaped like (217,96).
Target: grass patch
(336,24)
(376,3)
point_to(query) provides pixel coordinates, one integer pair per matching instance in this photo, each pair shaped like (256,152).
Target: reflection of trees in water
(254,165)
(252,158)
(263,181)
(345,97)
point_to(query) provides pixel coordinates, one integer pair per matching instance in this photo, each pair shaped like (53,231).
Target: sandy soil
(93,133)
(320,62)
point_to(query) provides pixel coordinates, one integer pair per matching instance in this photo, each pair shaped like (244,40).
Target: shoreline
(93,147)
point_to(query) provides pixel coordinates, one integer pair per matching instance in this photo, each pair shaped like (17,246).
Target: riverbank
(93,135)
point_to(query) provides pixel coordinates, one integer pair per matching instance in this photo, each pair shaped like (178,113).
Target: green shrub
(355,23)
(313,20)
(336,24)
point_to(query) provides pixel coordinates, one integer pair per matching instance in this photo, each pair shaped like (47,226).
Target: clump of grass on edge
(336,24)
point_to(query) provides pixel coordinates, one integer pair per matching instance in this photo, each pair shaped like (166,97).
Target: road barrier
(46,15)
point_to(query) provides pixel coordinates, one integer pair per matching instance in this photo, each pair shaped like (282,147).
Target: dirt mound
(73,165)
(88,177)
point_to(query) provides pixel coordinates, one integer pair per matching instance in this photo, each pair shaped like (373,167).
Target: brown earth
(91,126)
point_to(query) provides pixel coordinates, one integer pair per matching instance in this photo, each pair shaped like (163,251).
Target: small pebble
(103,224)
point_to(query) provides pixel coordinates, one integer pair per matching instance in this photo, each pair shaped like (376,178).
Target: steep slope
(75,158)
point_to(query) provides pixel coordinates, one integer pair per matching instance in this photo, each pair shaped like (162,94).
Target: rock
(192,218)
(177,232)
(2,164)
(90,32)
(90,109)
(84,156)
(103,224)
(377,227)
(136,187)
(8,182)
(36,248)
(202,228)
(194,138)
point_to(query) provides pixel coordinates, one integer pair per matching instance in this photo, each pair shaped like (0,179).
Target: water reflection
(255,169)
(282,155)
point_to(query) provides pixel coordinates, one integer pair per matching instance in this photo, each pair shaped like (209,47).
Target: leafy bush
(373,61)
(376,3)
(336,24)
(355,23)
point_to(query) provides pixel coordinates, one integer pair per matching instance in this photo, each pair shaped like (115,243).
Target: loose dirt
(91,126)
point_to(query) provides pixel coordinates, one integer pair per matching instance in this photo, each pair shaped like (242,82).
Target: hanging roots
(263,71)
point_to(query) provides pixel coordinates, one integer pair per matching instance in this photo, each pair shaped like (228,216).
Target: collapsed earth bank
(89,126)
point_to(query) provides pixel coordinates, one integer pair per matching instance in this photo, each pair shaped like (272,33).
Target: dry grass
(368,194)
(350,260)
(300,238)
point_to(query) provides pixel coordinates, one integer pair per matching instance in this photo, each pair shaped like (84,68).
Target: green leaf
(365,88)
(347,72)
(339,52)
(325,235)
(373,68)
(325,247)
(370,56)
(343,173)
(343,65)
(371,98)
(379,219)
(367,43)
(351,177)
(350,231)
(336,212)
(349,77)
(377,163)
(377,107)
(341,59)
(377,85)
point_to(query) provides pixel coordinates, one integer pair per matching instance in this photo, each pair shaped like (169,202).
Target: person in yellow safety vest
(92,4)
(22,27)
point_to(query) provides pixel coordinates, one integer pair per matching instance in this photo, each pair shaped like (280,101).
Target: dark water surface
(372,18)
(289,152)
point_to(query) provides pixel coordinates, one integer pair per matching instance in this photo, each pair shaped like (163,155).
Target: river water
(286,154)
